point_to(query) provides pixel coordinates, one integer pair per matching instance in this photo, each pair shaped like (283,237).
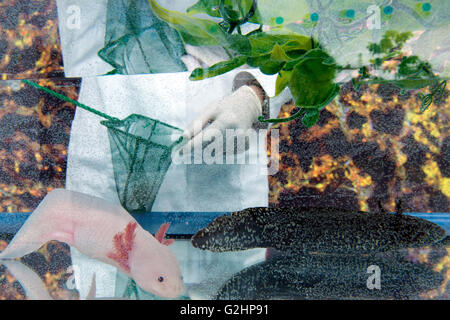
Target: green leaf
(356,84)
(333,93)
(392,55)
(233,14)
(374,48)
(194,31)
(386,44)
(245,8)
(271,67)
(311,117)
(217,69)
(278,54)
(239,43)
(257,61)
(265,64)
(401,38)
(412,66)
(391,39)
(275,52)
(263,43)
(363,72)
(311,82)
(270,53)
(211,8)
(378,62)
(270,63)
(291,64)
(295,49)
(282,81)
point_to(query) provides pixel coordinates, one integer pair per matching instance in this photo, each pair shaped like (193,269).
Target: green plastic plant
(301,63)
(411,72)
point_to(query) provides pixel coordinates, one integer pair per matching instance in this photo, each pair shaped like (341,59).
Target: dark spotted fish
(330,277)
(300,230)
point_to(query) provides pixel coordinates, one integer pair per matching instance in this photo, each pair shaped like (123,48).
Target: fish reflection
(29,280)
(35,288)
(318,276)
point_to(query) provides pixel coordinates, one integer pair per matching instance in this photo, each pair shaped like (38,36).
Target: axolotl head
(155,269)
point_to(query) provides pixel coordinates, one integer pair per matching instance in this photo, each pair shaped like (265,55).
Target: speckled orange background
(371,146)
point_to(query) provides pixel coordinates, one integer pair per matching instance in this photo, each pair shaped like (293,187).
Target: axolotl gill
(104,231)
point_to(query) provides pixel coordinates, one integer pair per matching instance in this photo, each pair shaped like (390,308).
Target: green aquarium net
(136,41)
(141,150)
(141,154)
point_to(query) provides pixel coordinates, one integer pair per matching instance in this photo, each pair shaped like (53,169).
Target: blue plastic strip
(181,223)
(11,222)
(185,223)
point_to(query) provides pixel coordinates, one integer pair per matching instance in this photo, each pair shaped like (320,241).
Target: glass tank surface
(251,274)
(349,197)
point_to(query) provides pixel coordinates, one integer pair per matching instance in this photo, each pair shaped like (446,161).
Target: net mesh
(141,150)
(137,42)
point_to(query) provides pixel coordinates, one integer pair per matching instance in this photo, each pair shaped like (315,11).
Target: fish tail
(27,240)
(444,242)
(19,247)
(31,283)
(39,228)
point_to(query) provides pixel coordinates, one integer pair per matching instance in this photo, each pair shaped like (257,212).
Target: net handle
(67,99)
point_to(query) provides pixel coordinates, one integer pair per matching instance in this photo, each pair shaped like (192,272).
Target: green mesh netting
(141,154)
(141,150)
(137,42)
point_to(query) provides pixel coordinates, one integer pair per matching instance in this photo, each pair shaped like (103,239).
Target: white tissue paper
(173,99)
(170,98)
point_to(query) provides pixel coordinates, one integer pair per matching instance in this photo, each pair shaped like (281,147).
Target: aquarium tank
(358,207)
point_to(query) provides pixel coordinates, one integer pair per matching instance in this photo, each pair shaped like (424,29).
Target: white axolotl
(103,231)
